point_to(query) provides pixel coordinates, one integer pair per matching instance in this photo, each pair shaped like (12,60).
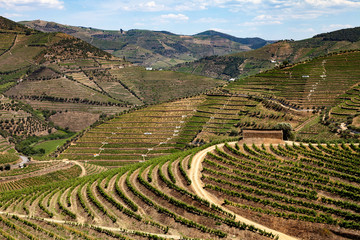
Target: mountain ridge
(60,73)
(255,42)
(238,65)
(158,49)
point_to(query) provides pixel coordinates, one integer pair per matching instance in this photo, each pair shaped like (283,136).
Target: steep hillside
(58,72)
(292,95)
(227,191)
(54,83)
(242,64)
(155,48)
(350,35)
(11,26)
(315,83)
(170,127)
(38,66)
(253,43)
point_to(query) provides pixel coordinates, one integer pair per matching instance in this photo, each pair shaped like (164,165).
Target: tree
(287,128)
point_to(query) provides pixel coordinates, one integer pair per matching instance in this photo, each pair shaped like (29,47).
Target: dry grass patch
(75,121)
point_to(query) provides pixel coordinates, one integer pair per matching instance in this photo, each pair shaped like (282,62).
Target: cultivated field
(294,188)
(316,83)
(138,135)
(279,191)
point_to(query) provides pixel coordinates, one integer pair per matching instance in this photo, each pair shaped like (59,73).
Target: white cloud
(333,3)
(259,23)
(279,7)
(176,17)
(211,20)
(135,5)
(12,15)
(303,30)
(333,27)
(263,19)
(31,4)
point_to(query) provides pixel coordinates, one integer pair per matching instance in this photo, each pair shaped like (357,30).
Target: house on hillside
(149,69)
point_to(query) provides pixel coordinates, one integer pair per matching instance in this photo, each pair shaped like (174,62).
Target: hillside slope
(60,73)
(293,95)
(315,83)
(251,62)
(228,191)
(155,48)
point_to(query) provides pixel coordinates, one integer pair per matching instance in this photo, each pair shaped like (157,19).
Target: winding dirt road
(83,170)
(197,186)
(97,226)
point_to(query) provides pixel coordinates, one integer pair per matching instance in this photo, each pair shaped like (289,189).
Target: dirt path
(97,217)
(98,226)
(13,44)
(50,169)
(177,174)
(74,206)
(83,170)
(53,205)
(298,128)
(123,188)
(195,175)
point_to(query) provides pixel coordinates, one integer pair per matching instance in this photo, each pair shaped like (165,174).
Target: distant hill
(349,34)
(251,62)
(77,82)
(155,48)
(254,43)
(8,25)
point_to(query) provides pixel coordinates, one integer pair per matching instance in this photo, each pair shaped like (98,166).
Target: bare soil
(75,121)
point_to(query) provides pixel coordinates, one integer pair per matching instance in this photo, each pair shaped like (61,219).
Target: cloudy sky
(269,19)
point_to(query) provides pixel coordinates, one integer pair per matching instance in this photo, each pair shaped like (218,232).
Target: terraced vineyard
(298,185)
(5,145)
(170,127)
(37,174)
(349,108)
(221,115)
(298,190)
(136,136)
(316,83)
(173,189)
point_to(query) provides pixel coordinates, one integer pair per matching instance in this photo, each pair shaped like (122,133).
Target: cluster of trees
(351,35)
(5,167)
(25,146)
(68,100)
(21,127)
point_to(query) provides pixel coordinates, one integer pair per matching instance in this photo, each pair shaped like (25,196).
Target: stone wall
(272,134)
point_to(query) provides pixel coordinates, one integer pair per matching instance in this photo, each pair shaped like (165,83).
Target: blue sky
(269,19)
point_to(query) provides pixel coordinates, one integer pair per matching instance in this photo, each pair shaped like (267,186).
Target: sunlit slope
(315,83)
(60,73)
(239,65)
(142,134)
(290,189)
(158,49)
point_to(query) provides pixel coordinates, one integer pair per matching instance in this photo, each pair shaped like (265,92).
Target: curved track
(197,184)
